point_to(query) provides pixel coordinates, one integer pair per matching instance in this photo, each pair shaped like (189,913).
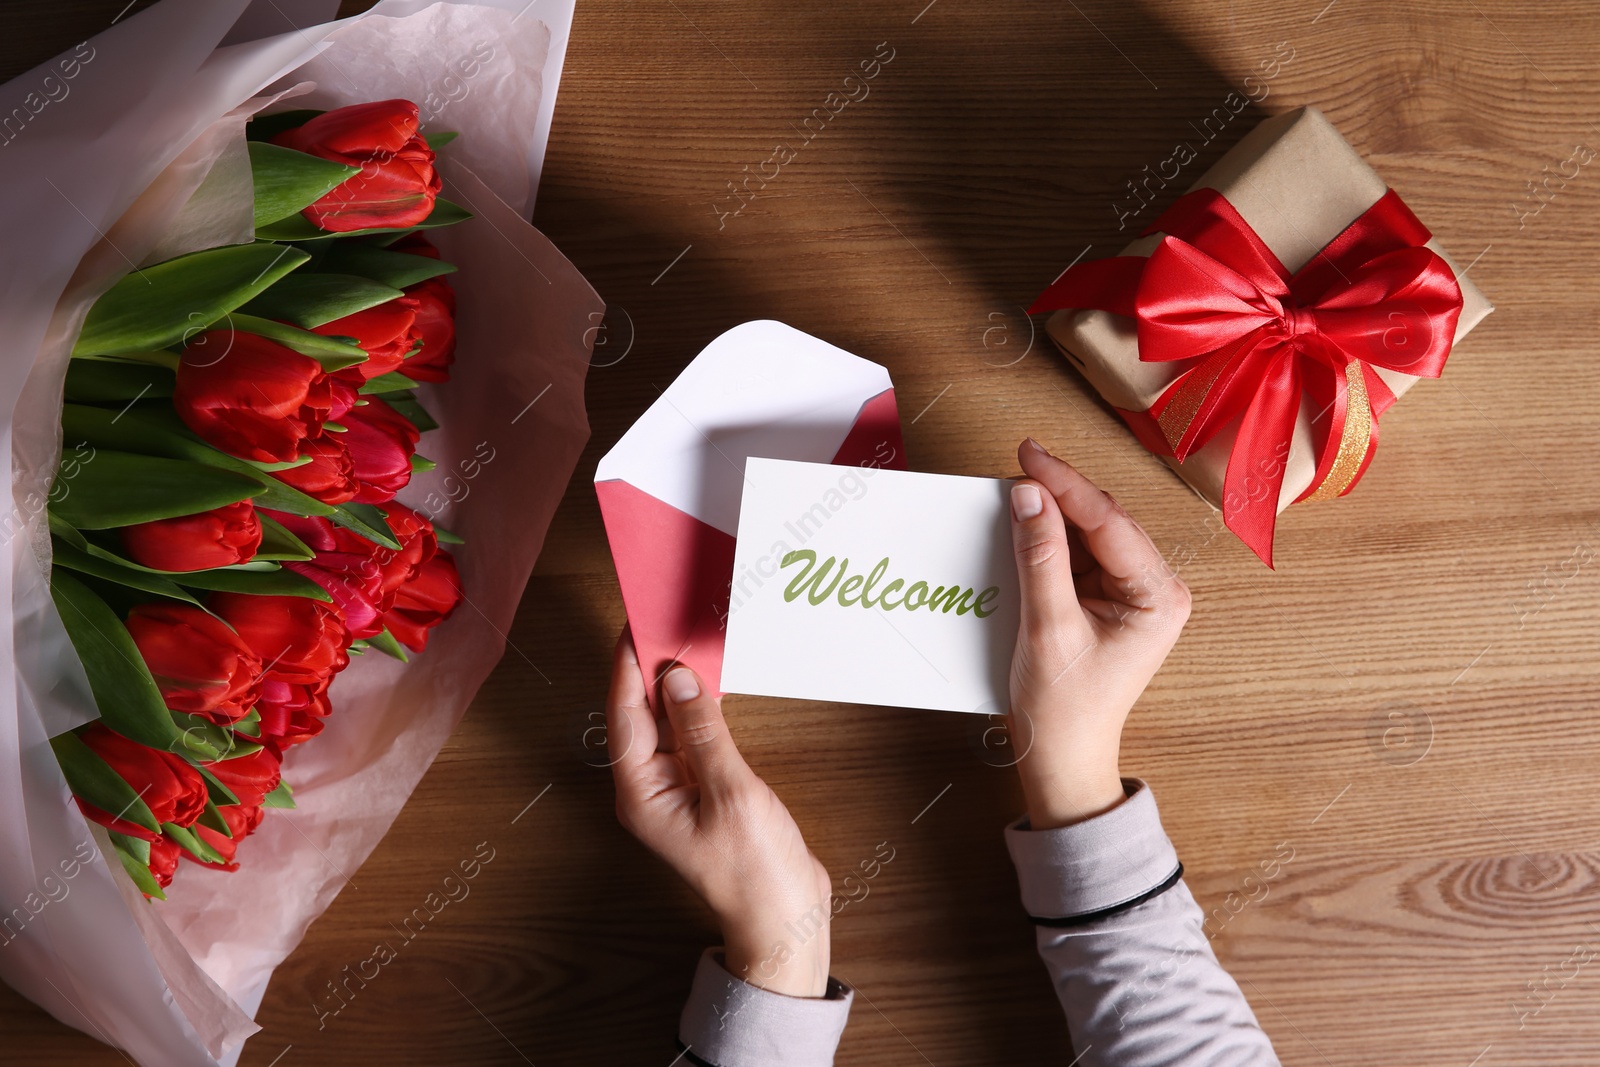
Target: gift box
(1255,332)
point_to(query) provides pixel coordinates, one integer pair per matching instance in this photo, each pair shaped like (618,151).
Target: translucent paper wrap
(129,150)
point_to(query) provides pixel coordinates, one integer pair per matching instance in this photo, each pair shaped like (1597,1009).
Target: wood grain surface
(1407,706)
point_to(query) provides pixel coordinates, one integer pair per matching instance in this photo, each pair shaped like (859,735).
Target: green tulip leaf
(386,643)
(278,543)
(287,181)
(260,583)
(192,843)
(123,488)
(123,689)
(220,738)
(397,269)
(161,305)
(67,532)
(100,381)
(444,213)
(162,433)
(438,140)
(266,127)
(309,300)
(281,797)
(299,228)
(212,819)
(393,382)
(366,520)
(414,412)
(331,352)
(137,847)
(128,851)
(134,577)
(94,781)
(218,793)
(446,537)
(421,463)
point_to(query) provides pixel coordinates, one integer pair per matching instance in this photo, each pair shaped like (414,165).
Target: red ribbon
(1260,339)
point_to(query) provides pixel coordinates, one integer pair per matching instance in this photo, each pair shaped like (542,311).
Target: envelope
(669,490)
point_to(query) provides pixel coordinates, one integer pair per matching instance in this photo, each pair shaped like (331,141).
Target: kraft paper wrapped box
(1298,184)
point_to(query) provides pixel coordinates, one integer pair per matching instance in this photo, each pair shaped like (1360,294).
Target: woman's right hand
(1100,611)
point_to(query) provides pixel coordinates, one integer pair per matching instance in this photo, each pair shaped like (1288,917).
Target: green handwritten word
(857,589)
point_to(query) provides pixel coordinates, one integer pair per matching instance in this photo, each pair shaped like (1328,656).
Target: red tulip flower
(242,821)
(418,544)
(381,442)
(292,713)
(436,327)
(387,333)
(220,537)
(424,602)
(397,184)
(297,639)
(362,577)
(200,665)
(345,566)
(250,778)
(164,855)
(249,396)
(330,476)
(169,786)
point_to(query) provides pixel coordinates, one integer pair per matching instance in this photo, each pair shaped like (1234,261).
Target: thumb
(1044,563)
(702,733)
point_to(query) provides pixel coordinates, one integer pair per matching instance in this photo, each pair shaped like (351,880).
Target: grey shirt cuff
(1097,866)
(731,1023)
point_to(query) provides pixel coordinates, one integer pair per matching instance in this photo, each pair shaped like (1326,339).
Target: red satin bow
(1263,341)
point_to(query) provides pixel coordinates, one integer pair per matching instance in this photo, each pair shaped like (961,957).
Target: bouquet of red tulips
(238,293)
(225,531)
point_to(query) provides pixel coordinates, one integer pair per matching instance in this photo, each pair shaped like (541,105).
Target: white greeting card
(872,586)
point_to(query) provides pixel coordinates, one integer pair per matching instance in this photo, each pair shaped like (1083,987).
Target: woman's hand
(1100,611)
(687,794)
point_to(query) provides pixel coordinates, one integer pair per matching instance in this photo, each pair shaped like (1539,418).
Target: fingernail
(1037,447)
(681,685)
(1025,501)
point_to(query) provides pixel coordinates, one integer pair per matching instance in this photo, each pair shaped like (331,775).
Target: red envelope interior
(675,570)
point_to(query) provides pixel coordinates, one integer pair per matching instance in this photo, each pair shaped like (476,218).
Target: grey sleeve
(1126,947)
(728,1022)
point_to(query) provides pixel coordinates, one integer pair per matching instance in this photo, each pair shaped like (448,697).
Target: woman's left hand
(684,790)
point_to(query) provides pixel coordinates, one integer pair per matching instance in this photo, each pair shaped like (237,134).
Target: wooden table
(1406,707)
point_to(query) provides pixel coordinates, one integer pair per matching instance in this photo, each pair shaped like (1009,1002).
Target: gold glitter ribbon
(1353,442)
(1175,418)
